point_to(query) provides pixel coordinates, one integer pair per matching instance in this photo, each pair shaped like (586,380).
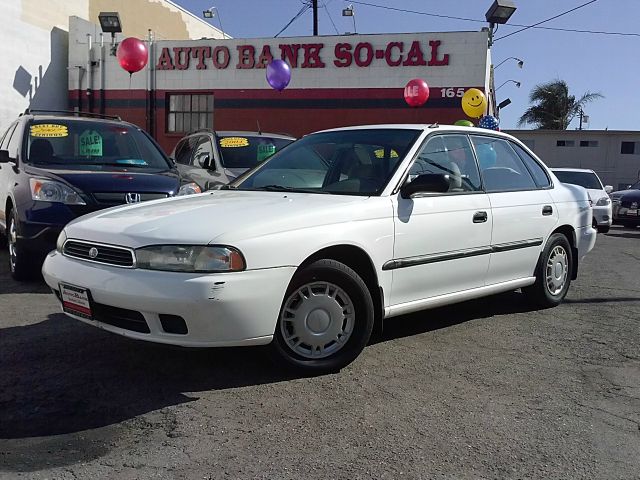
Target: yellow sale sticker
(48,130)
(234,142)
(380,153)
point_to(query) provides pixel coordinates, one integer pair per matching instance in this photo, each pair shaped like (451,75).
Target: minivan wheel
(20,264)
(326,318)
(553,273)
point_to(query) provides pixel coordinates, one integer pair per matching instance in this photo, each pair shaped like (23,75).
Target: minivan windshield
(247,151)
(91,145)
(348,162)
(584,179)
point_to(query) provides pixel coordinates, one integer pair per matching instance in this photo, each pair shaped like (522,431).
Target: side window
(539,174)
(449,155)
(502,170)
(203,153)
(184,151)
(14,142)
(7,135)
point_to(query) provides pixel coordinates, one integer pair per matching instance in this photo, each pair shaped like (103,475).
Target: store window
(629,148)
(588,143)
(565,143)
(189,112)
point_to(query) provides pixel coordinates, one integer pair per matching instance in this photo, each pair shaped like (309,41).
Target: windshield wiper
(282,188)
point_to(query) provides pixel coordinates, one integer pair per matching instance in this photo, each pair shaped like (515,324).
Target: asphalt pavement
(484,389)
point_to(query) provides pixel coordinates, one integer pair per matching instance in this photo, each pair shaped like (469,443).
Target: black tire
(603,229)
(539,294)
(21,264)
(349,292)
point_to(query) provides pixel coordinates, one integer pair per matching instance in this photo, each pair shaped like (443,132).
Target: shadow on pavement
(603,300)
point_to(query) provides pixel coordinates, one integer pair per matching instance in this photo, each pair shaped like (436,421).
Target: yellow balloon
(474,103)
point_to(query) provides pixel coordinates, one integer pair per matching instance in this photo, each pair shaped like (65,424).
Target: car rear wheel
(326,318)
(553,273)
(21,265)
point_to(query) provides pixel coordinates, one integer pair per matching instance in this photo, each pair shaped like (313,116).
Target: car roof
(423,126)
(240,133)
(52,117)
(566,169)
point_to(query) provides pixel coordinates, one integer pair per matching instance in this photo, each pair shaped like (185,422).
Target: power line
(304,8)
(330,18)
(547,20)
(556,29)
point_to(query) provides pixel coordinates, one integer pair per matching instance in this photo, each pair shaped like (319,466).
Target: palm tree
(553,108)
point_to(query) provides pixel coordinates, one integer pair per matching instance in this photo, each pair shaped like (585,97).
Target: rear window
(90,145)
(247,151)
(584,179)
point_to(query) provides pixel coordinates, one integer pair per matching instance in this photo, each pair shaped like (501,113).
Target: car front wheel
(553,273)
(20,264)
(326,318)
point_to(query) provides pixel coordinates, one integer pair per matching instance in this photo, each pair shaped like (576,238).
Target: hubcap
(557,270)
(317,320)
(12,244)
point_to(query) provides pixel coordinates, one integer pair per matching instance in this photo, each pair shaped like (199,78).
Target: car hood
(596,194)
(223,217)
(626,194)
(112,180)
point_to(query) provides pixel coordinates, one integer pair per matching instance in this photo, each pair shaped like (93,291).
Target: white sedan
(339,230)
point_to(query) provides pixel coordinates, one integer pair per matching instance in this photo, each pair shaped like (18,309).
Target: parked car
(211,158)
(337,231)
(55,167)
(599,194)
(626,206)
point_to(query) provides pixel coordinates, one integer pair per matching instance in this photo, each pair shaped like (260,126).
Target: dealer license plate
(632,211)
(75,300)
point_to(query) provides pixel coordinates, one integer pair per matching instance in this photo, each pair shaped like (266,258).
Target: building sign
(429,53)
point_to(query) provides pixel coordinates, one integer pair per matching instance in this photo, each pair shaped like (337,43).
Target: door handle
(480,217)
(547,210)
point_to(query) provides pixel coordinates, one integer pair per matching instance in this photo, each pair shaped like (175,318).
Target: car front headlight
(603,201)
(190,258)
(51,191)
(189,189)
(60,242)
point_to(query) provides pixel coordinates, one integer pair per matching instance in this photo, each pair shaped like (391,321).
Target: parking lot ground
(484,389)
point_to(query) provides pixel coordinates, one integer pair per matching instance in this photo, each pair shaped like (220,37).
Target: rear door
(523,211)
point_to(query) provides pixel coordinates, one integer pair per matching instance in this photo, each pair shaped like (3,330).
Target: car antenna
(259,131)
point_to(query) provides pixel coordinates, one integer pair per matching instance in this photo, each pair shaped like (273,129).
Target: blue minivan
(55,167)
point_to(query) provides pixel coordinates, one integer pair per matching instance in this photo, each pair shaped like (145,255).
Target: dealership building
(335,81)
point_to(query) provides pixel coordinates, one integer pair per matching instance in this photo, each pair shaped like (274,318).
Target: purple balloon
(278,74)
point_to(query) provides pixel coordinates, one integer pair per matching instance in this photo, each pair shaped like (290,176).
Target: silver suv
(211,158)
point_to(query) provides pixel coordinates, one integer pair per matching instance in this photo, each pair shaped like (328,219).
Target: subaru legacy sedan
(338,231)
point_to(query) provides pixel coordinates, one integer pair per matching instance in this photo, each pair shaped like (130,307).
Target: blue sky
(607,64)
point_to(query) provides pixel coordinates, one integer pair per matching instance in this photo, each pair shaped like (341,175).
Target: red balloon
(132,54)
(416,93)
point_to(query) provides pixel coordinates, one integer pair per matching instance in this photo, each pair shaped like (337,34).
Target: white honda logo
(93,252)
(132,197)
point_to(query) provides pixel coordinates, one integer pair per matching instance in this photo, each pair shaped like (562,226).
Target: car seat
(41,150)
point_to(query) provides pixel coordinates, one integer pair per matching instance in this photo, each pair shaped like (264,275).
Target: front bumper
(228,309)
(626,215)
(602,215)
(585,240)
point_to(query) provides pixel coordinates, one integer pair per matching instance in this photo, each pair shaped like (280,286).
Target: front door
(442,240)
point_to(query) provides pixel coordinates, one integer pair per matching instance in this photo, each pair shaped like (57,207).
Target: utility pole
(315,17)
(581,114)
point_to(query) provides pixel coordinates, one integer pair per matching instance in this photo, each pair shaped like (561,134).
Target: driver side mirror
(425,183)
(608,188)
(4,156)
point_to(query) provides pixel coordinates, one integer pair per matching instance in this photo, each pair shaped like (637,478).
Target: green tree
(552,107)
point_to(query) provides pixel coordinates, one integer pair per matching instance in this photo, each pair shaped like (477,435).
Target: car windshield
(584,179)
(91,145)
(349,162)
(247,151)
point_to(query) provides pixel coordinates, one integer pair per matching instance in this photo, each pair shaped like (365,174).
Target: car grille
(118,198)
(96,252)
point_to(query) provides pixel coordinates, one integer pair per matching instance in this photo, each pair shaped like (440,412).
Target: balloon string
(129,96)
